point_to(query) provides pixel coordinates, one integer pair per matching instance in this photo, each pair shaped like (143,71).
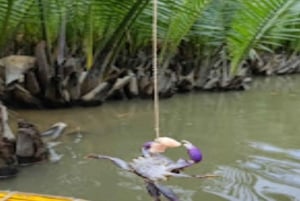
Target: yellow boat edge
(25,196)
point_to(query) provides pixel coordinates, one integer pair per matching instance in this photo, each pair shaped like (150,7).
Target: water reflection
(265,176)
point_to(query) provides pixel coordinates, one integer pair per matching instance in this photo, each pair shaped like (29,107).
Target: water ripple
(272,174)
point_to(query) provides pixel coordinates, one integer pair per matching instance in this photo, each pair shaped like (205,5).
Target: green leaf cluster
(98,30)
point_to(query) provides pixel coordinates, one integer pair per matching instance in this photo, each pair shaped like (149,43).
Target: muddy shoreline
(30,82)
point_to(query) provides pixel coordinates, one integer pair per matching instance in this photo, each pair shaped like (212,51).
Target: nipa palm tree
(87,51)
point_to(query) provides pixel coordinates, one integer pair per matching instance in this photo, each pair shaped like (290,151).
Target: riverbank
(28,82)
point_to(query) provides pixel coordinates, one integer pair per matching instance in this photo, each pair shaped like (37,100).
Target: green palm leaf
(260,24)
(141,31)
(180,24)
(212,26)
(107,50)
(12,13)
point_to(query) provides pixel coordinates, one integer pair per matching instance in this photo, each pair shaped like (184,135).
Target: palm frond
(259,24)
(212,26)
(12,13)
(111,46)
(179,26)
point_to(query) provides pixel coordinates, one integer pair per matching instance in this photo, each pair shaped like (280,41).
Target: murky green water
(250,138)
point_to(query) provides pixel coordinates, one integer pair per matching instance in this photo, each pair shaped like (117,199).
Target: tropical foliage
(204,44)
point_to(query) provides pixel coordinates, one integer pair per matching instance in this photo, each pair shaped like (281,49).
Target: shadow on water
(272,174)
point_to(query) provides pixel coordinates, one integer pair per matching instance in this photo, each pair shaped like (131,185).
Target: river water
(250,139)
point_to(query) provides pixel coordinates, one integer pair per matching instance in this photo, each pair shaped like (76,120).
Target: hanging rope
(154,63)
